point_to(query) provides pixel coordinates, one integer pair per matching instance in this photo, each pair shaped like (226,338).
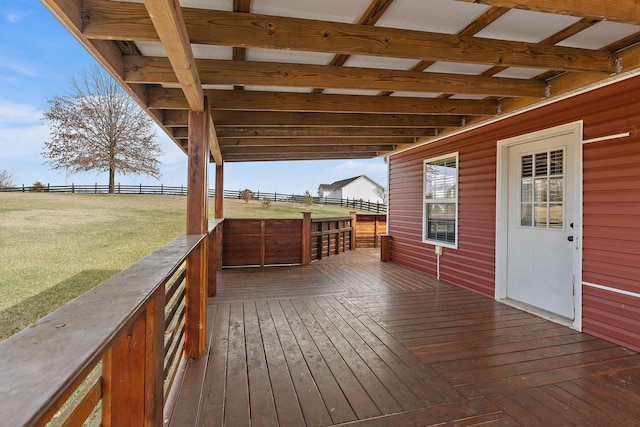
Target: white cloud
(13,17)
(12,113)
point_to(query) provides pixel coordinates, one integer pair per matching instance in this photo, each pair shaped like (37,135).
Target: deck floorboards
(352,341)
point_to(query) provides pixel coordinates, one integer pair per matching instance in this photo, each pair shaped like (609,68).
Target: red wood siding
(611,222)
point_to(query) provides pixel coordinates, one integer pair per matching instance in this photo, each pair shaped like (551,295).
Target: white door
(541,198)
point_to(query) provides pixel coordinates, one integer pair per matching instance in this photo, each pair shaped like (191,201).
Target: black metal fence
(360,204)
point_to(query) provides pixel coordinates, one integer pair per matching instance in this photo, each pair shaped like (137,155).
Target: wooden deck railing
(263,242)
(109,357)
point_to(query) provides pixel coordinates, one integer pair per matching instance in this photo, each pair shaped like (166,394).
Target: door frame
(502,199)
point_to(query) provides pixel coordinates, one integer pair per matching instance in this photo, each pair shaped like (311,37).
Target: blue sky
(38,57)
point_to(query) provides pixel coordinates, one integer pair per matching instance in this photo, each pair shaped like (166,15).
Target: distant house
(358,187)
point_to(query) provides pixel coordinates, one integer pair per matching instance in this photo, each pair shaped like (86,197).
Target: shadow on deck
(353,341)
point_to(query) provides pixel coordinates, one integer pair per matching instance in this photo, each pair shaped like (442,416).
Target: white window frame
(426,202)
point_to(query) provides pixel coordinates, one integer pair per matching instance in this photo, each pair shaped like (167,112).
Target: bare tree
(382,193)
(6,179)
(99,127)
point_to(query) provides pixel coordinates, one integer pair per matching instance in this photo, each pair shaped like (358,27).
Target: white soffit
(361,61)
(208,4)
(290,56)
(600,35)
(348,11)
(151,48)
(439,16)
(207,87)
(277,89)
(468,96)
(200,51)
(198,4)
(520,73)
(404,94)
(526,26)
(457,68)
(335,91)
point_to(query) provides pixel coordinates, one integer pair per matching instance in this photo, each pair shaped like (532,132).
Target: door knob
(570,238)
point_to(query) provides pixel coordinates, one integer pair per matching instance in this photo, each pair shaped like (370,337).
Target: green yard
(54,247)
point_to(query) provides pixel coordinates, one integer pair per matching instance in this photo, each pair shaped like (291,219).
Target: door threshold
(547,315)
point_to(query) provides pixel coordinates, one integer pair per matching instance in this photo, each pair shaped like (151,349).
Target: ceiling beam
(285,119)
(293,142)
(230,158)
(169,24)
(625,11)
(178,118)
(162,98)
(306,149)
(156,70)
(125,21)
(316,132)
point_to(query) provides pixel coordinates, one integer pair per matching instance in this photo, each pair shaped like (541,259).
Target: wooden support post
(219,213)
(354,217)
(197,223)
(306,238)
(219,199)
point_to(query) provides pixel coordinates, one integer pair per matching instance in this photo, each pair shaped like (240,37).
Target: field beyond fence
(360,204)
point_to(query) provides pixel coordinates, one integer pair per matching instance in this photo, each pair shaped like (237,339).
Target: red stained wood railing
(120,344)
(264,242)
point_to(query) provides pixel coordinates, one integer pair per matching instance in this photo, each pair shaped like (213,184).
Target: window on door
(542,190)
(441,200)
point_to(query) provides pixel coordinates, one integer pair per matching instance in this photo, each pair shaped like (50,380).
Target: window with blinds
(441,200)
(542,190)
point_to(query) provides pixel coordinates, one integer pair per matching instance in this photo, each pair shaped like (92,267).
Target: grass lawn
(54,247)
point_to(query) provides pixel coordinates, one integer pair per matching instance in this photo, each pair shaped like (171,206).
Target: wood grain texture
(352,341)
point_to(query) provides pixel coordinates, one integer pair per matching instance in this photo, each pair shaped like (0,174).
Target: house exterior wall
(611,206)
(330,194)
(363,189)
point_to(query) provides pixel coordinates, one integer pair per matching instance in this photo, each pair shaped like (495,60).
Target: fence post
(73,188)
(95,188)
(162,189)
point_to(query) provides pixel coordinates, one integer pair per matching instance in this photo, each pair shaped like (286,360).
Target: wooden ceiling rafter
(213,27)
(173,99)
(623,11)
(321,141)
(168,22)
(222,118)
(156,70)
(251,125)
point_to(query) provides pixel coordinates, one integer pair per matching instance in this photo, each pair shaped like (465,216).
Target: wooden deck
(353,341)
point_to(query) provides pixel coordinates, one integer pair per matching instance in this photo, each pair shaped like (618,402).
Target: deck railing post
(306,238)
(354,224)
(212,259)
(133,371)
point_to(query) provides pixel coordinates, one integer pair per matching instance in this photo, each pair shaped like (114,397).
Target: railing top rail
(38,364)
(213,223)
(325,219)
